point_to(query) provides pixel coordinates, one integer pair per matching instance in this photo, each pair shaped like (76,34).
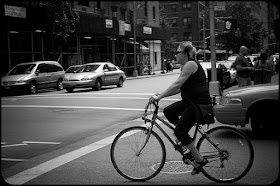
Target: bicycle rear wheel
(235,158)
(135,165)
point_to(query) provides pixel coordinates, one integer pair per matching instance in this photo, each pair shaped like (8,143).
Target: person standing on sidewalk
(194,90)
(263,70)
(243,69)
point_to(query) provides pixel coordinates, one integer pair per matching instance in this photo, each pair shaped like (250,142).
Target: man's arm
(238,65)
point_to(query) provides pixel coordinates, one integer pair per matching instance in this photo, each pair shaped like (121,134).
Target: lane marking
(41,142)
(69,97)
(11,159)
(32,173)
(29,174)
(13,145)
(83,107)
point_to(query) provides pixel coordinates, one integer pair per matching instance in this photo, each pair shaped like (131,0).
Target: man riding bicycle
(194,90)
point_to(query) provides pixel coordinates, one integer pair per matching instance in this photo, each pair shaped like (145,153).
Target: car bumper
(78,84)
(14,88)
(230,114)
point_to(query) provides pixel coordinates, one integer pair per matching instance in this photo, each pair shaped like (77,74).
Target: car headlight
(21,81)
(230,101)
(86,78)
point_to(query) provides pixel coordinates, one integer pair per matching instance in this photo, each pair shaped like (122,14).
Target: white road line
(11,159)
(13,145)
(41,142)
(32,173)
(75,107)
(69,97)
(29,174)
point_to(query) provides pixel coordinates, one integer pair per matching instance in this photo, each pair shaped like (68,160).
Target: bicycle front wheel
(132,163)
(234,158)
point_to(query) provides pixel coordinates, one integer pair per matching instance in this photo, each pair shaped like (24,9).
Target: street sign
(220,6)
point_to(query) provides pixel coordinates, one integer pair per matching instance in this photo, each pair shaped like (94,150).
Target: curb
(157,73)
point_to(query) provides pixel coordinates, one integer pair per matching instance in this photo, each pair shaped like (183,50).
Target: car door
(42,76)
(114,74)
(107,75)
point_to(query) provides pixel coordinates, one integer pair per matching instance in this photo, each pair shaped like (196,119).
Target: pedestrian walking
(243,69)
(263,70)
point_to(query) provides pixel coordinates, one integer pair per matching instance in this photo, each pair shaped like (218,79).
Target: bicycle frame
(175,145)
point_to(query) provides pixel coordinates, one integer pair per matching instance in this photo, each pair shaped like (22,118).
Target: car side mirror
(106,70)
(37,72)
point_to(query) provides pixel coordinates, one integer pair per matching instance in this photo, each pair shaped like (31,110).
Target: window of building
(98,4)
(174,7)
(187,21)
(174,22)
(83,3)
(187,36)
(187,6)
(175,36)
(154,12)
(122,14)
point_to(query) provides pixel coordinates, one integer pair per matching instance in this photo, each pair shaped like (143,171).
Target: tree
(168,45)
(60,22)
(252,31)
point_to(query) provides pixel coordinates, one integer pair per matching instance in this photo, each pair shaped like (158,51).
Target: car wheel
(32,88)
(69,89)
(98,85)
(59,85)
(120,83)
(257,124)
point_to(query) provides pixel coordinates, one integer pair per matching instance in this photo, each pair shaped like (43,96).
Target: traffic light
(230,24)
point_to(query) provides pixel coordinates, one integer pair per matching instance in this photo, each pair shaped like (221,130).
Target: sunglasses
(178,52)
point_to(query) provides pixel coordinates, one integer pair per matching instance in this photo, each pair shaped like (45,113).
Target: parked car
(32,76)
(257,104)
(94,75)
(72,69)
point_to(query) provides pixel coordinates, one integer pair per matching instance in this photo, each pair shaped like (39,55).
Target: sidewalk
(156,73)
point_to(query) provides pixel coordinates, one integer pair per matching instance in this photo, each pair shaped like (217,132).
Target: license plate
(72,84)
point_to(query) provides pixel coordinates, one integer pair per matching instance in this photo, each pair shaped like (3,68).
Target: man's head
(243,50)
(186,50)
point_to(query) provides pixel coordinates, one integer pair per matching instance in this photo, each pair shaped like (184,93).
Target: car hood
(15,77)
(79,76)
(262,89)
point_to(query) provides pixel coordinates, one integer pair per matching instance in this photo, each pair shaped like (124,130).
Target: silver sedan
(94,75)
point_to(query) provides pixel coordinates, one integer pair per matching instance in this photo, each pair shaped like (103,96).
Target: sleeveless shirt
(195,88)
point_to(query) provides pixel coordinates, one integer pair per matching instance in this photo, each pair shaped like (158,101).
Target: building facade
(187,21)
(105,32)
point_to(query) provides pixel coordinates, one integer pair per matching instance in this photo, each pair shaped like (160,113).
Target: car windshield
(72,69)
(87,68)
(231,58)
(22,69)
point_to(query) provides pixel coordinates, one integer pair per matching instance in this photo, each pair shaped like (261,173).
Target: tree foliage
(169,45)
(60,21)
(252,31)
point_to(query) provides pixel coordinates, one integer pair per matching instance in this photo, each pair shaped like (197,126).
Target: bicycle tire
(238,154)
(125,160)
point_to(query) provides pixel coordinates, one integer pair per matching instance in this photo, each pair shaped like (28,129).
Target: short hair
(188,49)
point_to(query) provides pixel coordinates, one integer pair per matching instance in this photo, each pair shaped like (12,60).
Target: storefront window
(20,42)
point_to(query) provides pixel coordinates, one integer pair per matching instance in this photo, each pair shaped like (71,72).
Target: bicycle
(138,153)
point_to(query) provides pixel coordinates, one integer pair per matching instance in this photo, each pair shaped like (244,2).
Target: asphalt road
(64,138)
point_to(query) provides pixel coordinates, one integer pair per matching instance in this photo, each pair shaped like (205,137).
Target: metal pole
(214,86)
(204,47)
(135,72)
